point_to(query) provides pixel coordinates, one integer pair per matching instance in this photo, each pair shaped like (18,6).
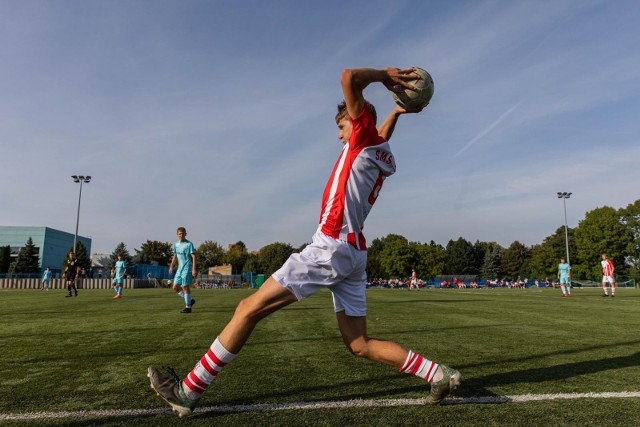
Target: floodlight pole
(78,179)
(564,196)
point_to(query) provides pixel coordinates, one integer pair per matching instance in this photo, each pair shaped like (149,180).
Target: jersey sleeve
(364,133)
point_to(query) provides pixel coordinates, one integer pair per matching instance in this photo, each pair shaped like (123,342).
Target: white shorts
(332,264)
(608,279)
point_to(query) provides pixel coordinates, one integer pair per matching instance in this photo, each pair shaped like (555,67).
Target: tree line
(603,230)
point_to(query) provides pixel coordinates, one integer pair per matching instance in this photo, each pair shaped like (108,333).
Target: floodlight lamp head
(559,195)
(87,178)
(75,178)
(568,195)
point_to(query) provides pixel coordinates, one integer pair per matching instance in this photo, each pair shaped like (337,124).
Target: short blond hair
(344,114)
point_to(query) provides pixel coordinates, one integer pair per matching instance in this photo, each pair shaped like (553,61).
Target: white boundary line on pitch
(358,403)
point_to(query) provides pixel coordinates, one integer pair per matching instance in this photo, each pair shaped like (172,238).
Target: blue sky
(218,115)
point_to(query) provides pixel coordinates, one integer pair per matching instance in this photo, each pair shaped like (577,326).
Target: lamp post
(79,179)
(564,196)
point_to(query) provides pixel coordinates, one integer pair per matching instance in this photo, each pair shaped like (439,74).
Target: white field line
(370,403)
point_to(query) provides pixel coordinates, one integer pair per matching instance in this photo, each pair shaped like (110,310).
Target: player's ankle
(438,375)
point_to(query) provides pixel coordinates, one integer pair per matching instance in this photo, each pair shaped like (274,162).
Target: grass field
(63,356)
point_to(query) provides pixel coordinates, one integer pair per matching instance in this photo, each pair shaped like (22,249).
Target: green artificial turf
(91,353)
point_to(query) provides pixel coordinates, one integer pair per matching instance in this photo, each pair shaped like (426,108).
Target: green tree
(5,258)
(121,249)
(27,260)
(601,231)
(374,270)
(252,264)
(492,264)
(236,256)
(546,256)
(461,257)
(396,257)
(154,252)
(480,251)
(273,256)
(81,256)
(429,259)
(209,254)
(630,217)
(514,258)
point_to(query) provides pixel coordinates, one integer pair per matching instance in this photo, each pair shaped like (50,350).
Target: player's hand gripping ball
(416,100)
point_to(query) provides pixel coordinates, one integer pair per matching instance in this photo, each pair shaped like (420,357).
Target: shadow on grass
(293,394)
(477,386)
(435,301)
(555,353)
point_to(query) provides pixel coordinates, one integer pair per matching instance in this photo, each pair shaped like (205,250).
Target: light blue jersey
(119,273)
(564,269)
(183,251)
(120,266)
(47,276)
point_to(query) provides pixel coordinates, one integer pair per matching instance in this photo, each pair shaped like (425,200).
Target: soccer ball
(416,100)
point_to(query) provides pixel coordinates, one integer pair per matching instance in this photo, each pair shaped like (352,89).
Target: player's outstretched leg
(443,379)
(183,396)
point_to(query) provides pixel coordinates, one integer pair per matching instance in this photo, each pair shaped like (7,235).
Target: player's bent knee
(249,309)
(358,348)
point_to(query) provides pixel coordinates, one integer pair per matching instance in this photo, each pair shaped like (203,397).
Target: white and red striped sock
(206,370)
(419,366)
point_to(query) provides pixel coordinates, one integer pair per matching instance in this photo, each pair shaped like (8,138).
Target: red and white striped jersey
(607,267)
(355,182)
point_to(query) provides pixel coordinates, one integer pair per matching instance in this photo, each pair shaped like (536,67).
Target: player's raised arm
(355,80)
(385,130)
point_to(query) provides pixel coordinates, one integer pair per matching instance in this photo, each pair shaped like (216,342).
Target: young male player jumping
(336,259)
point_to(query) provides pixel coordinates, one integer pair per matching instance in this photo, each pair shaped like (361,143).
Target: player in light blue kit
(118,273)
(46,278)
(184,251)
(564,275)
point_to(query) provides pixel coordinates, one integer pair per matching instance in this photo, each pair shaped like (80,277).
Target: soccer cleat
(450,381)
(170,389)
(117,296)
(186,310)
(605,295)
(68,296)
(613,295)
(193,302)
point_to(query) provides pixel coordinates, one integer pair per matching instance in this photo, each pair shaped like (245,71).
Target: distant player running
(118,273)
(335,260)
(607,276)
(564,275)
(185,253)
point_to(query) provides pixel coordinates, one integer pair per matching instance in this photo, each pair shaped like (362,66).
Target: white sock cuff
(222,353)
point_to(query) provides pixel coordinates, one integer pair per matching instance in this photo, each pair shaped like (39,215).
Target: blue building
(53,245)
